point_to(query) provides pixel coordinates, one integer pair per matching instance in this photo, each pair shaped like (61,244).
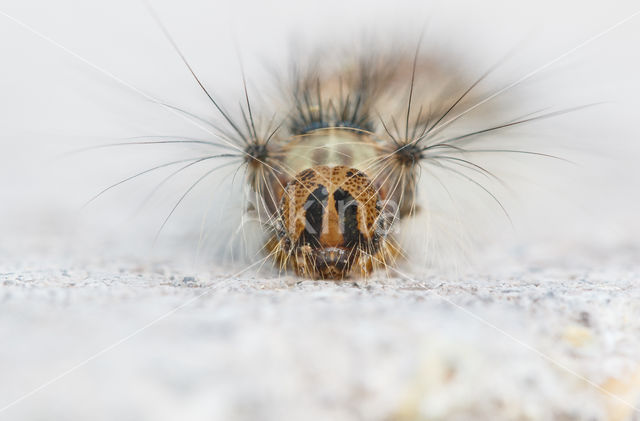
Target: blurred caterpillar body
(333,180)
(336,171)
(337,179)
(335,166)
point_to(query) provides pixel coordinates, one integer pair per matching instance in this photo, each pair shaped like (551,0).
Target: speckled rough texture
(143,340)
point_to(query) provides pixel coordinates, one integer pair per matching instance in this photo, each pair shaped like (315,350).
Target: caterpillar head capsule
(330,219)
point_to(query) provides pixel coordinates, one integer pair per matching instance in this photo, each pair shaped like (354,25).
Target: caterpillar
(335,163)
(332,180)
(334,175)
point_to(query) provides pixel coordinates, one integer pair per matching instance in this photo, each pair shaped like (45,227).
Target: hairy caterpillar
(335,172)
(381,103)
(332,175)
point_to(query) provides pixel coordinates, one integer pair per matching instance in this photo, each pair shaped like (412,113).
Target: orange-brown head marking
(330,217)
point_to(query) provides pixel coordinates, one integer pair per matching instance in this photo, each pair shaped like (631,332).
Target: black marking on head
(354,173)
(347,209)
(314,210)
(306,175)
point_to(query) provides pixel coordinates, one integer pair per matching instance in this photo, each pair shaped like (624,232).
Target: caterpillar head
(331,218)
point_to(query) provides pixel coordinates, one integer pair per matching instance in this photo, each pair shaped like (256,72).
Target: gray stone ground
(112,337)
